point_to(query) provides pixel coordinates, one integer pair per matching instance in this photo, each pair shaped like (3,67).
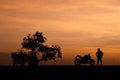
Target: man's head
(98,49)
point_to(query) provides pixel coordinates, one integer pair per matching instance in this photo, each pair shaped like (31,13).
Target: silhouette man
(99,55)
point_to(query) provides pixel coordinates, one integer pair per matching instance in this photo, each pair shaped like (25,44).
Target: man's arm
(102,53)
(96,53)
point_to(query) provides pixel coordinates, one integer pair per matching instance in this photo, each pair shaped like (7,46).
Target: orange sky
(78,26)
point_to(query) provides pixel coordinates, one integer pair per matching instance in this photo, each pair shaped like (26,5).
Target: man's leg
(97,61)
(101,61)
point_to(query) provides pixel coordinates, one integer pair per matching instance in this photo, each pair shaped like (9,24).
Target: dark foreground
(60,72)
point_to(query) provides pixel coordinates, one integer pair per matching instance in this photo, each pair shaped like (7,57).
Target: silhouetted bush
(33,45)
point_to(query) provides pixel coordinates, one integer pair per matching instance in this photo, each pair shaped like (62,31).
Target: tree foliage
(31,46)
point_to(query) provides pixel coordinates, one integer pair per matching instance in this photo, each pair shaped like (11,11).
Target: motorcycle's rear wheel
(92,62)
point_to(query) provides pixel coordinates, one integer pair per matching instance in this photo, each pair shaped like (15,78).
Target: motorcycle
(86,59)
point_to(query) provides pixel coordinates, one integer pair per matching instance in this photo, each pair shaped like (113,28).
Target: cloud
(55,9)
(111,40)
(70,23)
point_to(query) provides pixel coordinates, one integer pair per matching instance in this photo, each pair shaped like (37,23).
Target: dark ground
(60,72)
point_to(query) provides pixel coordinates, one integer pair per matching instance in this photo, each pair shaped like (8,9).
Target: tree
(33,45)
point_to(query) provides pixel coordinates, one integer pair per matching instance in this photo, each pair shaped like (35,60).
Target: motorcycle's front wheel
(77,62)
